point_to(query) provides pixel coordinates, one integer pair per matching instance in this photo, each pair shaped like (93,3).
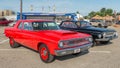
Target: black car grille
(109,33)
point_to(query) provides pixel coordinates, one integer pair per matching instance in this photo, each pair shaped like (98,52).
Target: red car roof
(32,20)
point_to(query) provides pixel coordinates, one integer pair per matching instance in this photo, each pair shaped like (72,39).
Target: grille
(75,42)
(109,33)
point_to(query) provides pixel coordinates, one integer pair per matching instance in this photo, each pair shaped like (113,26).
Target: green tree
(86,17)
(118,13)
(98,13)
(109,12)
(92,14)
(103,12)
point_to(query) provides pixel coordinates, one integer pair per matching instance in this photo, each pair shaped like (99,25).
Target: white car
(12,24)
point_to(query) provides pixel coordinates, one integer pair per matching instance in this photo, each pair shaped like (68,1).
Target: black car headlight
(104,34)
(99,36)
(116,34)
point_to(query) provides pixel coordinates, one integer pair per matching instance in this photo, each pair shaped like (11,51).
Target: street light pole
(21,9)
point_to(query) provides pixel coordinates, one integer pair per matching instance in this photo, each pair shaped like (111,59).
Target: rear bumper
(72,50)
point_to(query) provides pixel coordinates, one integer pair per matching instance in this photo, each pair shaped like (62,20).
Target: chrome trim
(107,39)
(74,39)
(71,50)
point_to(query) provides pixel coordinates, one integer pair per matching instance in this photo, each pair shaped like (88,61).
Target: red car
(4,21)
(46,38)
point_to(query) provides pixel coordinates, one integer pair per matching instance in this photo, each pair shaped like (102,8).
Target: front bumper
(73,50)
(107,38)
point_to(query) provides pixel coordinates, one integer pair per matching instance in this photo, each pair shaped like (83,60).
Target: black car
(101,35)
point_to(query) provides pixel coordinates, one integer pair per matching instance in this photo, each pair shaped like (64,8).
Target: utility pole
(21,9)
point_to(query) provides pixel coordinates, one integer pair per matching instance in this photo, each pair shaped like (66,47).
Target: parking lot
(100,56)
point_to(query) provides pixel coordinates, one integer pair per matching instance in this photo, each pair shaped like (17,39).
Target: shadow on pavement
(66,57)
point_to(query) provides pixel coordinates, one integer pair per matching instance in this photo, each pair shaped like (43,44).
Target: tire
(13,44)
(45,54)
(94,43)
(104,42)
(100,25)
(105,26)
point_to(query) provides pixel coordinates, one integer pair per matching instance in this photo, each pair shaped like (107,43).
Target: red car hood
(62,34)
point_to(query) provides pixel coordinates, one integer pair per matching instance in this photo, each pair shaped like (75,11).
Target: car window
(27,26)
(44,26)
(84,23)
(20,26)
(69,24)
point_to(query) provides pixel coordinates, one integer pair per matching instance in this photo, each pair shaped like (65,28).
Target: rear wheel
(45,54)
(13,44)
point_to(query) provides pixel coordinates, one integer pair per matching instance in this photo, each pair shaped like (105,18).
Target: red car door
(28,37)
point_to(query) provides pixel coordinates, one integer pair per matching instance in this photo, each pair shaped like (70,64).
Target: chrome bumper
(71,50)
(107,38)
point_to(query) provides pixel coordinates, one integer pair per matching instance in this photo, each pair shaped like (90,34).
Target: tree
(98,13)
(109,12)
(86,17)
(118,13)
(103,12)
(92,14)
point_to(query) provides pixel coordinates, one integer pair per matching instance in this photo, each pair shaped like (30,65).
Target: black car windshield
(44,26)
(83,23)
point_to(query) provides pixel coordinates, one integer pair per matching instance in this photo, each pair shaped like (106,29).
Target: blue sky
(83,6)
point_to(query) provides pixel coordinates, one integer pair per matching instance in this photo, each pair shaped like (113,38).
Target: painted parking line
(13,50)
(4,41)
(100,52)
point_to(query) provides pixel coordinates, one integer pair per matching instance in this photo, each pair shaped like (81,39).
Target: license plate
(76,50)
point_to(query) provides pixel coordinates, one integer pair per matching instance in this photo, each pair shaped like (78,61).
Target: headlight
(99,36)
(116,33)
(90,39)
(104,34)
(61,44)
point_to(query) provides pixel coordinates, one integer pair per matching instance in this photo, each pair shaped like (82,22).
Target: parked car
(4,21)
(109,23)
(99,23)
(46,38)
(118,23)
(101,35)
(12,24)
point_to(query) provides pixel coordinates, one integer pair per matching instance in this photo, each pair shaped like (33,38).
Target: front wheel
(45,54)
(94,43)
(13,43)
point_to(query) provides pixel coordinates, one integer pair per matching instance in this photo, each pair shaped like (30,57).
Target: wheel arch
(39,44)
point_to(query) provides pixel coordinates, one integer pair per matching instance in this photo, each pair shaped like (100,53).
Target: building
(6,13)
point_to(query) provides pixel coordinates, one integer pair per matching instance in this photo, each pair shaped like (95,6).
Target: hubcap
(44,53)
